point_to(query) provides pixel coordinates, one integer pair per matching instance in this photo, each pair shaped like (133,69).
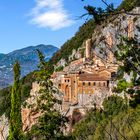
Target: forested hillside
(26,85)
(116,121)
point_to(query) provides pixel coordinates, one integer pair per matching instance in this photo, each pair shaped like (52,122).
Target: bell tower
(88,48)
(130,28)
(109,42)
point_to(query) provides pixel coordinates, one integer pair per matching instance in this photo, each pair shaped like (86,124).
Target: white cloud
(50,14)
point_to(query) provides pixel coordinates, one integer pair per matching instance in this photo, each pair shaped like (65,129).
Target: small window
(89,83)
(83,83)
(68,80)
(74,81)
(104,84)
(94,84)
(65,80)
(107,83)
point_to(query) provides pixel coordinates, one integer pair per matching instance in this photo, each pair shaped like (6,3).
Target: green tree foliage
(113,105)
(5,100)
(128,54)
(51,121)
(15,115)
(99,14)
(116,121)
(26,85)
(128,5)
(122,85)
(60,68)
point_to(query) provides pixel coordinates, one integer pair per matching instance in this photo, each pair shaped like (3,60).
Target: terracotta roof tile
(92,77)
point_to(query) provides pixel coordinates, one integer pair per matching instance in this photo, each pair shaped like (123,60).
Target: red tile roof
(92,77)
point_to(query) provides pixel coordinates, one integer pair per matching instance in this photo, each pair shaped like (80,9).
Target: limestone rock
(29,115)
(4,127)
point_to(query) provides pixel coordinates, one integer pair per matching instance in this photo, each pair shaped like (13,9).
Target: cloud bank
(50,14)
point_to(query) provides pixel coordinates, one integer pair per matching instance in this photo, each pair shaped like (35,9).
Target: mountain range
(27,58)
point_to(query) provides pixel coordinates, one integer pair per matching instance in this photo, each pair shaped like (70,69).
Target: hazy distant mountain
(28,59)
(1,55)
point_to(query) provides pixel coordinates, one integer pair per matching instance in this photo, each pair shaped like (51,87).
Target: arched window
(94,84)
(104,84)
(68,80)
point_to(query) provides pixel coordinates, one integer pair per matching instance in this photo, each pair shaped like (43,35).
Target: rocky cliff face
(76,54)
(29,114)
(29,111)
(4,127)
(107,36)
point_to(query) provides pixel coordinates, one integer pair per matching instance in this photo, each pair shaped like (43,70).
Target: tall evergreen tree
(51,121)
(15,115)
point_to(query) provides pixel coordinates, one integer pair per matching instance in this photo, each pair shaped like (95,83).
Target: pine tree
(15,115)
(50,123)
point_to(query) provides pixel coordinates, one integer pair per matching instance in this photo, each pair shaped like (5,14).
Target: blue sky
(31,22)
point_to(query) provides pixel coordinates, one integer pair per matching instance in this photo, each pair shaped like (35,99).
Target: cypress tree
(15,115)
